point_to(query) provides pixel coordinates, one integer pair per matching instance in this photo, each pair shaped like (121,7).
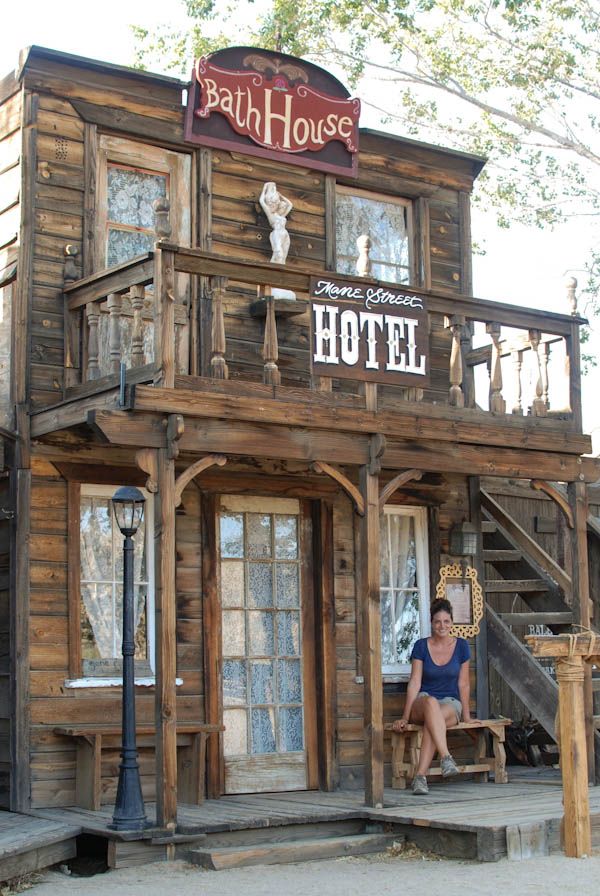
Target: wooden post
(481,657)
(93,318)
(371,634)
(114,303)
(218,365)
(538,407)
(165,709)
(72,323)
(573,756)
(271,374)
(577,495)
(164,317)
(456,398)
(497,403)
(136,295)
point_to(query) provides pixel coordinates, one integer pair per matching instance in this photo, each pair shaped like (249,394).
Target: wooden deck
(457,819)
(28,844)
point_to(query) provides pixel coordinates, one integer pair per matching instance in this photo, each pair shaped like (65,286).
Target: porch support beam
(165,616)
(577,495)
(371,636)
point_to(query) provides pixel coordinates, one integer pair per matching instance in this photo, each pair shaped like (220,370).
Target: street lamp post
(129,813)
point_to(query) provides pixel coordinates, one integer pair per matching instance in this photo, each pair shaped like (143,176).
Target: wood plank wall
(5,713)
(53,757)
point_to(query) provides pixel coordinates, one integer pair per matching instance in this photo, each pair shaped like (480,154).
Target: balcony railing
(502,359)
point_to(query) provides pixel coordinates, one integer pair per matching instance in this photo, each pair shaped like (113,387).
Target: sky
(521,265)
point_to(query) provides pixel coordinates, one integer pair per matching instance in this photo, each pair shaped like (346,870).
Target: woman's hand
(399,724)
(472,721)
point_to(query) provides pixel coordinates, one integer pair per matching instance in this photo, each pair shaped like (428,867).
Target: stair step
(495,586)
(537,618)
(219,858)
(506,556)
(488,526)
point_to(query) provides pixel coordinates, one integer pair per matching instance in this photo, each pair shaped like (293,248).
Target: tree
(517,81)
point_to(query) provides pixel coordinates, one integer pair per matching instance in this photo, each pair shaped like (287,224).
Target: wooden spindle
(271,374)
(162,224)
(93,319)
(72,322)
(456,398)
(114,304)
(571,287)
(136,296)
(497,403)
(218,365)
(538,406)
(545,356)
(517,359)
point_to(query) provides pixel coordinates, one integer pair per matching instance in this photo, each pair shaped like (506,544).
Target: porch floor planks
(29,844)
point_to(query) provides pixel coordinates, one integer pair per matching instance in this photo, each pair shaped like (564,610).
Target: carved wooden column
(93,319)
(114,304)
(218,365)
(72,322)
(517,359)
(538,406)
(497,403)
(573,756)
(136,296)
(271,374)
(369,605)
(164,297)
(456,397)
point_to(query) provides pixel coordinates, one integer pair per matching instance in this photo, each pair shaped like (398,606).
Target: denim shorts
(451,701)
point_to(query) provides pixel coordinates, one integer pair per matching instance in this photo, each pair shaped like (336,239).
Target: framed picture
(459,585)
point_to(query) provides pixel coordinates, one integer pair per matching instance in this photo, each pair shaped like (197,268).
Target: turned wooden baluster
(271,373)
(456,398)
(114,304)
(218,365)
(538,406)
(517,358)
(93,319)
(497,403)
(136,296)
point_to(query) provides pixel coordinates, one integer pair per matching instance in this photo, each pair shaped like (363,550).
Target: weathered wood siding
(5,710)
(52,703)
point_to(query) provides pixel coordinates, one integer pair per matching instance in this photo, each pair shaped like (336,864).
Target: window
(404,585)
(101,586)
(386,220)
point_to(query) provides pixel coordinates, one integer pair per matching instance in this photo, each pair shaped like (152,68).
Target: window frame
(389,199)
(401,671)
(77,678)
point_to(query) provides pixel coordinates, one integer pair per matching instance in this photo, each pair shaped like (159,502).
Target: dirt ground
(366,876)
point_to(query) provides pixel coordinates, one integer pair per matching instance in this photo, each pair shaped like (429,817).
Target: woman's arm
(464,690)
(414,686)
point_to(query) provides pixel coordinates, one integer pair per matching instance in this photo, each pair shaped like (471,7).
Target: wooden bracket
(542,486)
(175,428)
(396,483)
(351,490)
(147,461)
(194,469)
(376,450)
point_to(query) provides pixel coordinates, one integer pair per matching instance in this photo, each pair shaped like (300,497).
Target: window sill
(112,682)
(388,678)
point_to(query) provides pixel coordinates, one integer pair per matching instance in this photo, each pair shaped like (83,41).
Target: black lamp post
(129,815)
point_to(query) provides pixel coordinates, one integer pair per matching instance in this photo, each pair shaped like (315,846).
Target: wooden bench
(89,740)
(407,744)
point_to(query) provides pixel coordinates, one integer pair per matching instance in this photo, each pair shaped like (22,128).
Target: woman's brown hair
(439,605)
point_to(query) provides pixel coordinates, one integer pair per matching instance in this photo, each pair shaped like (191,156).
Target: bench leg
(481,754)
(191,769)
(416,739)
(398,764)
(500,774)
(88,772)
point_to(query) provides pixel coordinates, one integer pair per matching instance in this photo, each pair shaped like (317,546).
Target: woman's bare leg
(436,718)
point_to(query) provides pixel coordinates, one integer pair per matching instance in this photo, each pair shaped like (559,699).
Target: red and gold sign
(274,106)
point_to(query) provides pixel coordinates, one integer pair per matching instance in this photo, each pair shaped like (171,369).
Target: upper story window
(131,176)
(101,586)
(404,587)
(387,222)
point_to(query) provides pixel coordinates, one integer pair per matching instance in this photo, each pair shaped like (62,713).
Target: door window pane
(234,683)
(234,633)
(235,736)
(286,537)
(130,215)
(232,583)
(385,222)
(261,681)
(232,535)
(260,585)
(263,730)
(261,642)
(289,681)
(286,580)
(259,535)
(291,728)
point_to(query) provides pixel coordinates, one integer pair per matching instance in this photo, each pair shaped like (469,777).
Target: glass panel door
(263,699)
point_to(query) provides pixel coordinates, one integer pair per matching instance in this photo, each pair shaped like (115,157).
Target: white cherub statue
(276,207)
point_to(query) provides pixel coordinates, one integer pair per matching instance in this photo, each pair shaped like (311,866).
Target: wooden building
(299,505)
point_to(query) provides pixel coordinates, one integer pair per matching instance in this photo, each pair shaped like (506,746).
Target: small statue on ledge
(276,207)
(363,262)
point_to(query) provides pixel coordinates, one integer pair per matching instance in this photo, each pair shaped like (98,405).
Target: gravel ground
(366,876)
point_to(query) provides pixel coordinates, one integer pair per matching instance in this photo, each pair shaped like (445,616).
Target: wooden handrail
(526,542)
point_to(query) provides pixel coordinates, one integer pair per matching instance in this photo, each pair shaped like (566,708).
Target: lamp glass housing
(463,540)
(128,505)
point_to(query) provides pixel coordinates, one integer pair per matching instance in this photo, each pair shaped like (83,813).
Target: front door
(267,645)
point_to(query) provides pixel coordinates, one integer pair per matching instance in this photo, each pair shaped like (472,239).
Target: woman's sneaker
(449,766)
(419,785)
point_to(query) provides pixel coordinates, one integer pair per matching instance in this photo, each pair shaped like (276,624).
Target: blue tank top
(441,681)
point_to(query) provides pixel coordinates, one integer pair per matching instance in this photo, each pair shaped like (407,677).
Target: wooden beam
(137,272)
(397,482)
(556,496)
(72,413)
(351,490)
(195,469)
(211,642)
(325,642)
(574,757)
(369,605)
(165,613)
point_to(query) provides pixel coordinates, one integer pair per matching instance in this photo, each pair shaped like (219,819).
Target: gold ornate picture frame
(460,585)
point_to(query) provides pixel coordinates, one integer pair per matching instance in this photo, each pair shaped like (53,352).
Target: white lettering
(325,332)
(286,118)
(345,126)
(349,337)
(209,93)
(411,344)
(371,322)
(300,124)
(395,330)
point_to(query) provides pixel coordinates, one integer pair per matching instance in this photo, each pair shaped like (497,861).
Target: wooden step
(537,618)
(518,586)
(492,556)
(284,852)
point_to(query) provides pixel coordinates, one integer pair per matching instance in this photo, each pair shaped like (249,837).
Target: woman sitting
(438,692)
